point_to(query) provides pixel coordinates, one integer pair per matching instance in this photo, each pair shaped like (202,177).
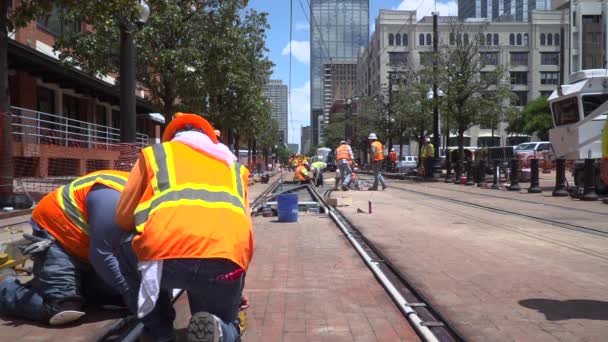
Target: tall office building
(338,29)
(507,10)
(277,93)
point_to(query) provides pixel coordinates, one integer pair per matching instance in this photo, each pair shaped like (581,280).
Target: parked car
(535,146)
(538,149)
(407,163)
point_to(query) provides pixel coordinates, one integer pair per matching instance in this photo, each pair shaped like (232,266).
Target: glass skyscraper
(338,30)
(509,10)
(276,92)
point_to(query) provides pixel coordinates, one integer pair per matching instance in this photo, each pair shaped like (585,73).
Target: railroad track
(555,223)
(426,320)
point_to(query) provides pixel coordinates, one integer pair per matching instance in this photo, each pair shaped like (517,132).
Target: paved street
(496,277)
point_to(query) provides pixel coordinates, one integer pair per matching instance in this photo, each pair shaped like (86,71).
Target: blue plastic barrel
(288,207)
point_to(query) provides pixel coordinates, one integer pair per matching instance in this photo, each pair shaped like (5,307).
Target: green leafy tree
(535,118)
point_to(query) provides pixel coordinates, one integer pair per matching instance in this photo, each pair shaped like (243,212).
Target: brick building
(65,122)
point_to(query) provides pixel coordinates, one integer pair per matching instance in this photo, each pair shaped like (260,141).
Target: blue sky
(278,43)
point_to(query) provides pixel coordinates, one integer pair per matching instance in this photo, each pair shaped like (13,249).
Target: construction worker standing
(301,174)
(428,153)
(377,156)
(73,229)
(344,157)
(187,201)
(393,159)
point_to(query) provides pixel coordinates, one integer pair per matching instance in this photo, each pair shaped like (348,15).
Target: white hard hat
(305,163)
(427,139)
(372,136)
(342,142)
(393,149)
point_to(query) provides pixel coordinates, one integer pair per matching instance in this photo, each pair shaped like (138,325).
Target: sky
(277,41)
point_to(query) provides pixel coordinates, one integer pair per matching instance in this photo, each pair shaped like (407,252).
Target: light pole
(433,93)
(127,74)
(348,118)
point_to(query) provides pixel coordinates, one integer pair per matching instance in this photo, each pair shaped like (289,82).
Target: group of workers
(345,160)
(129,239)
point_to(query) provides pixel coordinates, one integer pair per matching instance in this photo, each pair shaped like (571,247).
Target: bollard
(457,172)
(482,173)
(448,174)
(369,206)
(589,193)
(477,174)
(496,183)
(534,182)
(514,176)
(470,173)
(560,179)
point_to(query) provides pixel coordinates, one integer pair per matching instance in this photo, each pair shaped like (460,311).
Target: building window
(391,39)
(482,39)
(545,93)
(115,119)
(452,39)
(542,39)
(489,78)
(519,39)
(549,77)
(489,58)
(557,42)
(57,26)
(549,39)
(521,98)
(398,40)
(466,39)
(549,58)
(46,104)
(511,39)
(519,58)
(426,58)
(489,39)
(405,40)
(526,40)
(421,39)
(428,39)
(496,39)
(519,77)
(398,58)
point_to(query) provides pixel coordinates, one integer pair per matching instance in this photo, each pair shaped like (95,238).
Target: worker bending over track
(73,229)
(317,171)
(301,174)
(187,201)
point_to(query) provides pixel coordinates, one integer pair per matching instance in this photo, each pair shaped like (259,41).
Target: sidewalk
(307,283)
(496,277)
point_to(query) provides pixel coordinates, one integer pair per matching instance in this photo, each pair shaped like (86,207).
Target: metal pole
(127,85)
(436,171)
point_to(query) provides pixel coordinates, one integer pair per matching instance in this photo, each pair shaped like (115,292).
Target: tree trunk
(254,153)
(236,145)
(460,161)
(6,140)
(167,113)
(249,154)
(400,145)
(420,140)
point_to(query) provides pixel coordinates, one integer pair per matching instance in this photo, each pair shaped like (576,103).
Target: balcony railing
(50,129)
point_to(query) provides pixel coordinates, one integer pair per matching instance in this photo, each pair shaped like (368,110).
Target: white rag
(152,271)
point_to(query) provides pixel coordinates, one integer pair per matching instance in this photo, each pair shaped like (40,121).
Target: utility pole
(348,119)
(391,76)
(436,138)
(6,146)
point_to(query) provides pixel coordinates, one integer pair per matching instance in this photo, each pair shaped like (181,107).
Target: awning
(484,134)
(49,69)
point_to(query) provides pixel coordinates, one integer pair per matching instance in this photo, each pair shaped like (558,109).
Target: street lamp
(127,73)
(432,93)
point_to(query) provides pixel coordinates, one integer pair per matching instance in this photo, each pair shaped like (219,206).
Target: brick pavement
(496,277)
(307,283)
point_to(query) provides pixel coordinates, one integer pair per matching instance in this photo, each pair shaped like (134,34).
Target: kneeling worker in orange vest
(187,201)
(73,229)
(301,174)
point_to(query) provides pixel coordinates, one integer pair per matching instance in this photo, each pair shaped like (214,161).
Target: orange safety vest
(342,152)
(380,155)
(299,175)
(393,156)
(63,212)
(194,206)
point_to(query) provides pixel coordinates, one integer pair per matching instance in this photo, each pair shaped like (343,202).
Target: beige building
(530,50)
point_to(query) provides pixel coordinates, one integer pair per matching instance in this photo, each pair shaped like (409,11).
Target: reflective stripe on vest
(168,194)
(68,203)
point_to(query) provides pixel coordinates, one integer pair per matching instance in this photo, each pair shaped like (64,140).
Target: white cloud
(302,26)
(299,49)
(447,8)
(300,111)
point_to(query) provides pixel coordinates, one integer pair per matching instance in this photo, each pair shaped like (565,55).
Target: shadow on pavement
(557,310)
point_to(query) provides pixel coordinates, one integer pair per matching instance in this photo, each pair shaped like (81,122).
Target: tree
(334,132)
(535,118)
(471,93)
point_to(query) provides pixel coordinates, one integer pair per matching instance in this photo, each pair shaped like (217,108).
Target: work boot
(64,310)
(344,188)
(384,187)
(372,189)
(204,327)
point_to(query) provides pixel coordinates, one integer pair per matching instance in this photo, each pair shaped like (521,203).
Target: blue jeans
(57,275)
(345,172)
(198,278)
(376,166)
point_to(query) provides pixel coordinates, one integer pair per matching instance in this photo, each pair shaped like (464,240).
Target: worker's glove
(35,245)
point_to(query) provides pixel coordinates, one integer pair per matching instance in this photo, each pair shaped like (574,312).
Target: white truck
(579,111)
